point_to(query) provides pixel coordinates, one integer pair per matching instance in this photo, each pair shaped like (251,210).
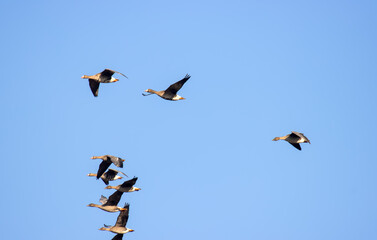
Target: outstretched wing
(116,160)
(94,85)
(112,173)
(301,135)
(108,73)
(129,183)
(118,237)
(296,145)
(114,199)
(174,88)
(103,200)
(123,216)
(102,168)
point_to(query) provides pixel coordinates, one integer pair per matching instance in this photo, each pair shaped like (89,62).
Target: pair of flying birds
(111,204)
(106,76)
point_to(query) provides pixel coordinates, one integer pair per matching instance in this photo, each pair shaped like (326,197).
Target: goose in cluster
(106,76)
(110,175)
(106,162)
(171,92)
(127,186)
(294,138)
(120,225)
(110,205)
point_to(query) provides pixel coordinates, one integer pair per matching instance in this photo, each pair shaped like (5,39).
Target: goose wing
(129,183)
(116,72)
(118,237)
(114,199)
(301,135)
(107,73)
(296,145)
(103,200)
(94,86)
(117,161)
(174,88)
(123,216)
(102,168)
(112,173)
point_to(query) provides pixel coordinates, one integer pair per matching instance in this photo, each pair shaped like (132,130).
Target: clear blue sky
(206,165)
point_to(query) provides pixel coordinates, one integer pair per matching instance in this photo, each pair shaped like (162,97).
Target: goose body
(120,225)
(294,138)
(107,160)
(106,76)
(127,186)
(171,92)
(109,205)
(110,175)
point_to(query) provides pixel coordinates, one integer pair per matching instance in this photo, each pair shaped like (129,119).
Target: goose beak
(131,230)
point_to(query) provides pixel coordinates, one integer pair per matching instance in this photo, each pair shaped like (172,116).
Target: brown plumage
(110,175)
(171,92)
(109,205)
(294,138)
(103,77)
(127,186)
(120,225)
(106,162)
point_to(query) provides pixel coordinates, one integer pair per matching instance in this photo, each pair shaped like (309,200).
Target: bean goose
(110,175)
(106,162)
(127,186)
(106,76)
(171,92)
(109,205)
(294,138)
(120,225)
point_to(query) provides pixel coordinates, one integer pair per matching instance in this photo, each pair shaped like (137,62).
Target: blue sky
(206,165)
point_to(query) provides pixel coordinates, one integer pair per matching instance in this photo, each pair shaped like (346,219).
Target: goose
(106,162)
(127,186)
(106,76)
(109,205)
(294,138)
(171,92)
(120,225)
(110,175)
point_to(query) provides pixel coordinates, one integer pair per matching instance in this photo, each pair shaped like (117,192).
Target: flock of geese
(111,204)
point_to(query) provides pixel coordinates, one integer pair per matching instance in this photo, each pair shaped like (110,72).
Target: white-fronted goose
(127,186)
(120,225)
(109,205)
(294,138)
(106,162)
(106,76)
(171,92)
(110,175)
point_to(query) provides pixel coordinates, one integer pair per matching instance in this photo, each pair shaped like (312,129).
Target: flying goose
(127,186)
(110,205)
(106,76)
(171,92)
(294,138)
(120,225)
(106,162)
(110,175)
